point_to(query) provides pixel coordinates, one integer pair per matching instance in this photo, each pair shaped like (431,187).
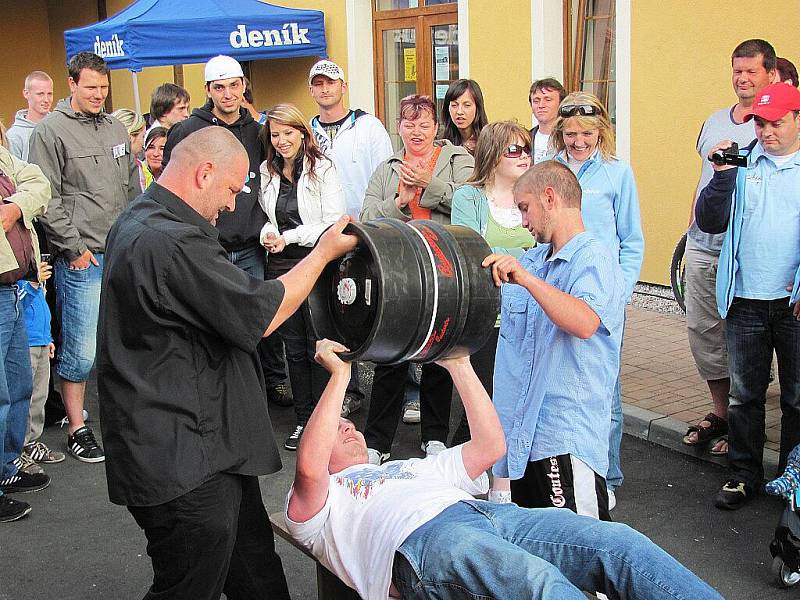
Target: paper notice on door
(441,91)
(410,61)
(441,55)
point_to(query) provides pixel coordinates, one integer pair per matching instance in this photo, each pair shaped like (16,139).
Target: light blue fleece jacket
(610,210)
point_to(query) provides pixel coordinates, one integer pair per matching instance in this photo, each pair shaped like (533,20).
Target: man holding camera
(757,206)
(753,68)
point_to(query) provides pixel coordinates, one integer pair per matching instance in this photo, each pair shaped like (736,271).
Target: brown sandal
(717,428)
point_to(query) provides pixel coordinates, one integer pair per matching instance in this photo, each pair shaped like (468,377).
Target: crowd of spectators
(181,246)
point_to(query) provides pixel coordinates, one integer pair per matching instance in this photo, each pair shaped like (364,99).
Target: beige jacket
(32,197)
(452,169)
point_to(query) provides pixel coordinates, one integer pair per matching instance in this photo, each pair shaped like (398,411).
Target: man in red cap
(758,281)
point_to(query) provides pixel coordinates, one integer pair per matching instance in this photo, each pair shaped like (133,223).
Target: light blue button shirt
(769,249)
(553,390)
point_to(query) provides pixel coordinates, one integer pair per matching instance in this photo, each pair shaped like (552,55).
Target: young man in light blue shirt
(558,353)
(758,208)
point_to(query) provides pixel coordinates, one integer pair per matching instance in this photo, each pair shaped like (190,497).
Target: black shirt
(287,215)
(181,390)
(331,129)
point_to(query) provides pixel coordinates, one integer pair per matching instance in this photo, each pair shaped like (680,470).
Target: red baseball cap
(774,101)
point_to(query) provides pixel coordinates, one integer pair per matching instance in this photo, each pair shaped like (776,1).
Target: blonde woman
(136,125)
(302,196)
(583,139)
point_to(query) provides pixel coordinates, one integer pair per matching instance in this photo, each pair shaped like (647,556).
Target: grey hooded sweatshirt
(93,176)
(19,135)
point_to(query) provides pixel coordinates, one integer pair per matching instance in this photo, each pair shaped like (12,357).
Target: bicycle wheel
(677,273)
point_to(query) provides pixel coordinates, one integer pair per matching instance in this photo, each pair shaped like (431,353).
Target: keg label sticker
(346,291)
(435,338)
(368,291)
(442,263)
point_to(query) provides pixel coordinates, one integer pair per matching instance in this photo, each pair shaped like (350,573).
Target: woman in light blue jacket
(583,139)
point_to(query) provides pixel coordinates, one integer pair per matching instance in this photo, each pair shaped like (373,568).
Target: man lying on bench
(412,529)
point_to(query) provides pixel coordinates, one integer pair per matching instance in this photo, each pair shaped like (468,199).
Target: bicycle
(677,272)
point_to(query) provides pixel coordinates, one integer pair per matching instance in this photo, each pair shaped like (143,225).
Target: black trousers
(216,538)
(386,404)
(483,364)
(308,379)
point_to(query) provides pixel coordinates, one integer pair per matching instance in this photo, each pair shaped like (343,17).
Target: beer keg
(411,291)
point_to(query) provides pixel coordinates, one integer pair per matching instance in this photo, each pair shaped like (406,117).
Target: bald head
(210,144)
(207,169)
(552,174)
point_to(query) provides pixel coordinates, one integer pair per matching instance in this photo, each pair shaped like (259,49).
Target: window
(405,4)
(416,46)
(590,49)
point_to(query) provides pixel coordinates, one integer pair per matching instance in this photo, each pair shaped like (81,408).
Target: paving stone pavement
(662,393)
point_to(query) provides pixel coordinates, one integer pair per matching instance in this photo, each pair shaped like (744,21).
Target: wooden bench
(329,586)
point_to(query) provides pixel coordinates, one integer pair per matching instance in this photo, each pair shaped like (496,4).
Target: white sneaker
(612,500)
(500,496)
(411,412)
(432,448)
(376,457)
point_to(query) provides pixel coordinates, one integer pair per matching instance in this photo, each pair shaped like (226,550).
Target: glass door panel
(399,74)
(444,60)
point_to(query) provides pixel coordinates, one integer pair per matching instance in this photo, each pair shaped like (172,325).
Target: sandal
(716,452)
(717,428)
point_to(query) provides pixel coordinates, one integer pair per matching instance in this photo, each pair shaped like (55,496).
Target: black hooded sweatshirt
(238,229)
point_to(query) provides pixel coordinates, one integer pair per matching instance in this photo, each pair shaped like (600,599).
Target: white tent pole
(137,103)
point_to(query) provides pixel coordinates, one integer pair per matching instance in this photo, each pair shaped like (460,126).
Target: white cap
(223,67)
(328,68)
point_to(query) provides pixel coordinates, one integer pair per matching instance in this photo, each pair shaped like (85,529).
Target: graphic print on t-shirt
(361,482)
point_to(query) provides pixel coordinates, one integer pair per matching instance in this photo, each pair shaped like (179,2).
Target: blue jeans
(253,261)
(756,328)
(614,478)
(477,549)
(78,306)
(16,383)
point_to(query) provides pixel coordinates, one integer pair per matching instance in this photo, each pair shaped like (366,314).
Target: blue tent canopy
(151,33)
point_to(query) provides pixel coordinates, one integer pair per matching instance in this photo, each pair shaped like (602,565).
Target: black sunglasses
(570,110)
(516,150)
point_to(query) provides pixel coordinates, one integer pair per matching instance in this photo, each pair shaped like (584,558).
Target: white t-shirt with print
(540,141)
(371,510)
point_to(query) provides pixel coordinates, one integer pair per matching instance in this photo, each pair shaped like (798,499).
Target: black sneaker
(293,440)
(83,446)
(24,482)
(734,494)
(279,395)
(11,510)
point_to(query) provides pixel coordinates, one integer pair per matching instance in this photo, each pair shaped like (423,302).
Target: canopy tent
(151,33)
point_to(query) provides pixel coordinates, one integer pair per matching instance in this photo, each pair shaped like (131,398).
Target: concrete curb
(668,432)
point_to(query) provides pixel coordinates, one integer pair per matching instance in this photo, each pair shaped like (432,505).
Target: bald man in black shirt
(186,432)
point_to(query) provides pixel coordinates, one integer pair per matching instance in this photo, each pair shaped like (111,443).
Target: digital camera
(729,156)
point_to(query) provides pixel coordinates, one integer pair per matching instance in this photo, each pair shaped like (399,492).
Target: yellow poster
(410,60)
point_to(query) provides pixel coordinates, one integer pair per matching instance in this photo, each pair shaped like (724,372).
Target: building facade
(662,68)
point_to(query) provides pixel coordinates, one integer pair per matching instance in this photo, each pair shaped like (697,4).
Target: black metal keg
(409,291)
